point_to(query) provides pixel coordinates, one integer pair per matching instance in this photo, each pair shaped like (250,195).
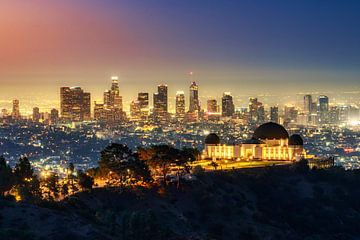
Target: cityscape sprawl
(79,129)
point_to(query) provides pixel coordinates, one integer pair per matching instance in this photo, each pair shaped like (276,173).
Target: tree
(51,184)
(123,164)
(6,177)
(86,182)
(27,183)
(23,171)
(71,178)
(162,158)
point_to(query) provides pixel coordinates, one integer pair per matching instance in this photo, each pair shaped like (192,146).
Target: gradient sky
(246,47)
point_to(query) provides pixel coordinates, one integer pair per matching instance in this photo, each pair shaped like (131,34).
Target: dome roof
(212,138)
(296,139)
(271,130)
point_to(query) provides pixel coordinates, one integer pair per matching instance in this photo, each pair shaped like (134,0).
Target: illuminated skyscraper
(112,98)
(308,104)
(143,99)
(194,104)
(323,109)
(36,114)
(180,105)
(256,111)
(290,114)
(74,104)
(274,114)
(161,102)
(15,109)
(228,108)
(135,110)
(54,116)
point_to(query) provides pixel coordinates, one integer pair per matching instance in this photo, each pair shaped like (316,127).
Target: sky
(243,46)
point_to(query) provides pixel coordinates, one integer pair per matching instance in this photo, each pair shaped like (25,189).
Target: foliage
(122,164)
(86,182)
(6,177)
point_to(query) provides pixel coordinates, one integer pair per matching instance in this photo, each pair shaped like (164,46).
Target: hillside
(263,203)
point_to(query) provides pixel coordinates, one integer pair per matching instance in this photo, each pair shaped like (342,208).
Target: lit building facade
(227,105)
(180,105)
(194,104)
(270,141)
(74,104)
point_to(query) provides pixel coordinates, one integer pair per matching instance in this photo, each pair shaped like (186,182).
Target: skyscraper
(194,104)
(228,108)
(36,114)
(323,109)
(54,116)
(15,109)
(256,111)
(161,102)
(143,99)
(308,104)
(274,114)
(74,104)
(180,105)
(112,98)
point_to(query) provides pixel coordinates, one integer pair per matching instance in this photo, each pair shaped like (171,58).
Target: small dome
(212,139)
(296,140)
(271,130)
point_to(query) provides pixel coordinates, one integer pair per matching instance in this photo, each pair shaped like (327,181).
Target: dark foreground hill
(272,203)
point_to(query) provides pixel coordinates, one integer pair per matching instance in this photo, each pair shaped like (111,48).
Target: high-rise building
(135,110)
(290,114)
(74,104)
(36,114)
(15,109)
(143,99)
(194,104)
(308,104)
(112,98)
(54,116)
(323,109)
(180,105)
(228,108)
(256,111)
(212,106)
(274,114)
(161,103)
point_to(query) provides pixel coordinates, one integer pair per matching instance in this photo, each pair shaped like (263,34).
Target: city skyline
(233,45)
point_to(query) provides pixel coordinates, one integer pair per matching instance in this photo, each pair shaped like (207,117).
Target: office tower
(180,105)
(74,104)
(256,111)
(112,98)
(36,114)
(143,99)
(228,108)
(135,110)
(290,114)
(161,103)
(212,106)
(194,104)
(15,109)
(274,114)
(308,104)
(323,109)
(334,115)
(54,116)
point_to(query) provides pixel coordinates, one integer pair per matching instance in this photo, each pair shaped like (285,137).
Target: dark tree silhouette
(6,177)
(86,182)
(123,164)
